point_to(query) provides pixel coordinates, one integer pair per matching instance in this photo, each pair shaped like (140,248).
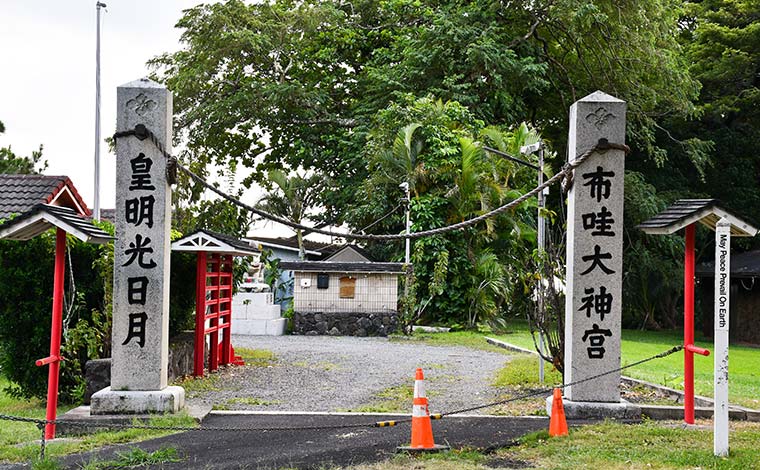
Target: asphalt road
(315,449)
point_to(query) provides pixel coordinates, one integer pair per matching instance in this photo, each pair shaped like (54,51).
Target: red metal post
(213,361)
(200,315)
(688,326)
(225,307)
(54,360)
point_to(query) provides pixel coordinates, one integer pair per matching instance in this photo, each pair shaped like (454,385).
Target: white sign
(722,302)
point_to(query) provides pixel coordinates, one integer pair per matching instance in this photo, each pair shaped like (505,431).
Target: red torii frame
(213,304)
(213,295)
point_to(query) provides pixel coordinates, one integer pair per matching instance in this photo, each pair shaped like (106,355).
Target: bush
(182,293)
(26,271)
(26,285)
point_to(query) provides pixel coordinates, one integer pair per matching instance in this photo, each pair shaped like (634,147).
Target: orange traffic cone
(557,423)
(422,430)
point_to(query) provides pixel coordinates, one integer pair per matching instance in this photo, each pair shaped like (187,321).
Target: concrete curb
(703,404)
(81,416)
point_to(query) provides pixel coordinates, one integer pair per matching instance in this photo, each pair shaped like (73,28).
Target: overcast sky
(47,84)
(47,79)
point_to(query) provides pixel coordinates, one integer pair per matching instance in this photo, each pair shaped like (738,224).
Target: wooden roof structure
(685,212)
(43,217)
(213,242)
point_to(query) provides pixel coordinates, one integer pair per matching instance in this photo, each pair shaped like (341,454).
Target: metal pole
(688,326)
(541,251)
(96,203)
(54,360)
(200,315)
(527,150)
(408,225)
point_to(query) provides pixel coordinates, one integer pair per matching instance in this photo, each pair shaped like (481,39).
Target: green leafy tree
(276,84)
(10,163)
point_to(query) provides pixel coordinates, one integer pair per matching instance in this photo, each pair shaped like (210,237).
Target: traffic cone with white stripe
(422,430)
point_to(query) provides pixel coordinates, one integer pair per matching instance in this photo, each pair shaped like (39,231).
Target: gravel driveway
(324,373)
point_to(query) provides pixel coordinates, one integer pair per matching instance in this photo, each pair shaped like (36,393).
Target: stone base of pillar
(116,402)
(596,410)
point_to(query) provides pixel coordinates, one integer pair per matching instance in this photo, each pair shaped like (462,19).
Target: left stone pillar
(140,331)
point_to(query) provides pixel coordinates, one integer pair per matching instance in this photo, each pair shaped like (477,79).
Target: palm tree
(401,162)
(291,198)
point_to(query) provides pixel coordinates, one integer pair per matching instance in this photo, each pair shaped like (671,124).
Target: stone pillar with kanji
(593,306)
(140,332)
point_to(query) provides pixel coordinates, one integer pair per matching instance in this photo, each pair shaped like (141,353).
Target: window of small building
(323,281)
(347,287)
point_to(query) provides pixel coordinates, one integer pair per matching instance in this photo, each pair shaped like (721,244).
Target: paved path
(344,373)
(306,450)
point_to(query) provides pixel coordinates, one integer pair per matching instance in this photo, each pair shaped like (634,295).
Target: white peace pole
(722,297)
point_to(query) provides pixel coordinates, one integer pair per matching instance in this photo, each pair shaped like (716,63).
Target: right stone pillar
(593,305)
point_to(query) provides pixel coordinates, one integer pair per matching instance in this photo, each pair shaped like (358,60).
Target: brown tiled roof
(20,193)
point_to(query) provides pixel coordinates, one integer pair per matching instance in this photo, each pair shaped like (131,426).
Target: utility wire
(141,132)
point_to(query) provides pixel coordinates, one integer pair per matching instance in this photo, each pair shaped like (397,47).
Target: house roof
(685,212)
(20,193)
(341,248)
(743,265)
(291,244)
(43,217)
(214,242)
(336,267)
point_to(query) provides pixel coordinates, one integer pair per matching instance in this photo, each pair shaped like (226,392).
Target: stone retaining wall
(345,323)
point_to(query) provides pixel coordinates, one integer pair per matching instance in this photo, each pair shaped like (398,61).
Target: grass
(522,371)
(25,449)
(257,357)
(609,445)
(648,445)
(195,386)
(249,401)
(136,458)
(636,345)
(20,441)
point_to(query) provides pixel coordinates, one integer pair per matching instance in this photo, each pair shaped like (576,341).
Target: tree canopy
(365,94)
(10,163)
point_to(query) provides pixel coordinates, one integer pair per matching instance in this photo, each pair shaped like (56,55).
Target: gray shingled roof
(684,212)
(43,217)
(336,267)
(20,193)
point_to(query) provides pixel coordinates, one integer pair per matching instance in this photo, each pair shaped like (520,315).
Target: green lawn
(744,388)
(608,445)
(20,441)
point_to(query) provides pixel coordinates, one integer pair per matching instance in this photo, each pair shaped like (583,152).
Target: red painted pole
(200,315)
(55,333)
(225,305)
(213,347)
(688,326)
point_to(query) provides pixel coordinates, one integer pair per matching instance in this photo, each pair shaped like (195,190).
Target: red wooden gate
(213,311)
